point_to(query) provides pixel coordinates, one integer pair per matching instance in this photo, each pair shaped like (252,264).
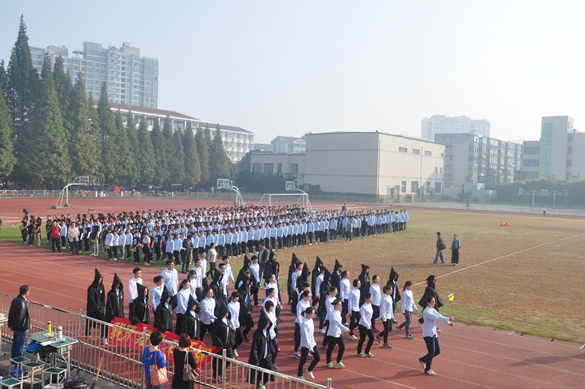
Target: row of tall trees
(51,132)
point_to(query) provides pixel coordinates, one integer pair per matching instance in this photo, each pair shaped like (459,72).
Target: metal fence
(122,353)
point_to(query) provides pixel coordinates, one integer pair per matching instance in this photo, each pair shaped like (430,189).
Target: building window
(569,163)
(570,138)
(436,169)
(268,168)
(415,151)
(294,168)
(414,187)
(428,153)
(532,150)
(403,189)
(403,149)
(441,170)
(256,168)
(569,149)
(280,168)
(531,162)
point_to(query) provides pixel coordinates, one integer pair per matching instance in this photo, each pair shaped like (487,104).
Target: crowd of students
(235,231)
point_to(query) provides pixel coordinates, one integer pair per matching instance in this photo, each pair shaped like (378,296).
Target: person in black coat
(393,282)
(336,275)
(96,305)
(217,287)
(115,301)
(222,336)
(304,277)
(139,312)
(289,286)
(189,325)
(430,290)
(315,274)
(365,280)
(246,319)
(163,315)
(271,267)
(244,271)
(258,355)
(323,294)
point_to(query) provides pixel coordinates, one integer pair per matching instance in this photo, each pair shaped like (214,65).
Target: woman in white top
(156,292)
(308,343)
(234,307)
(376,301)
(304,303)
(182,303)
(269,308)
(386,314)
(365,327)
(334,334)
(273,284)
(207,313)
(408,306)
(431,317)
(212,258)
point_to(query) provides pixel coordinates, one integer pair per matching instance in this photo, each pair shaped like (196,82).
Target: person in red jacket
(55,233)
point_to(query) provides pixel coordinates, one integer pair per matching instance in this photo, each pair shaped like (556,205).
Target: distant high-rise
(441,124)
(131,79)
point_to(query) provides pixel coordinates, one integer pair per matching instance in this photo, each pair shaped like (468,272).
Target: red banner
(134,341)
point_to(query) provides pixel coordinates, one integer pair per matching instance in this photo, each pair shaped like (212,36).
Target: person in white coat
(365,327)
(408,306)
(334,334)
(207,313)
(386,315)
(234,307)
(431,317)
(308,343)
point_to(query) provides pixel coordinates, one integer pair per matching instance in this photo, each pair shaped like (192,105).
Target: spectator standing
(19,324)
(455,246)
(440,247)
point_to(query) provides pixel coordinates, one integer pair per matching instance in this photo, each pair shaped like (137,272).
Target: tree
(203,151)
(167,133)
(3,81)
(134,150)
(208,139)
(192,166)
(83,146)
(219,162)
(177,162)
(126,156)
(159,144)
(145,157)
(64,90)
(51,162)
(490,176)
(23,83)
(95,133)
(110,154)
(7,159)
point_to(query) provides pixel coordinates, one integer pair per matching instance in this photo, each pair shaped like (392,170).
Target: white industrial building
(361,162)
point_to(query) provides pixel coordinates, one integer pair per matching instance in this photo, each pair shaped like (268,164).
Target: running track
(472,356)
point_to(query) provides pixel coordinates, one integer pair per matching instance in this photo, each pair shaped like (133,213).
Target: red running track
(472,356)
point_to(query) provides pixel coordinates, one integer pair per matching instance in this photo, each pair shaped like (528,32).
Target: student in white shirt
(207,314)
(365,327)
(227,274)
(182,303)
(431,317)
(334,334)
(269,309)
(386,314)
(234,307)
(171,279)
(308,343)
(212,254)
(255,270)
(132,290)
(408,306)
(156,292)
(344,289)
(304,303)
(354,308)
(376,301)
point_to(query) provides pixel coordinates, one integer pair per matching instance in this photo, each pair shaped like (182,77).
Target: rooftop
(224,127)
(152,111)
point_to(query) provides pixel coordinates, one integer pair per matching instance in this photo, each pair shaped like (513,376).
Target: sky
(288,68)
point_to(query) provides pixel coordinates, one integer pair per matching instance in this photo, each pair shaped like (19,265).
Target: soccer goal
(280,199)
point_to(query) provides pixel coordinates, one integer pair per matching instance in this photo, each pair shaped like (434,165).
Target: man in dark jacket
(440,247)
(96,305)
(19,324)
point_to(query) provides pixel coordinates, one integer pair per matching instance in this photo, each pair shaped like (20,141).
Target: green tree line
(51,131)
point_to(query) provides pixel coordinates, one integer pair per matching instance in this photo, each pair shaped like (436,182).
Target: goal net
(281,199)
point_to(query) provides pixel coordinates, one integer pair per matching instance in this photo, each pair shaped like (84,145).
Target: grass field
(537,291)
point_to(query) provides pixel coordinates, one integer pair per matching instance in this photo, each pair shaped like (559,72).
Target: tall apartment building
(236,141)
(131,79)
(468,159)
(440,124)
(560,152)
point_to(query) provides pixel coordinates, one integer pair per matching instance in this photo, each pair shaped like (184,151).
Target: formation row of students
(148,236)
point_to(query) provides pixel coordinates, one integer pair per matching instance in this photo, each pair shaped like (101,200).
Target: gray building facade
(441,124)
(130,78)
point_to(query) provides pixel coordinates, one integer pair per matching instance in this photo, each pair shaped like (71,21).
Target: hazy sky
(287,68)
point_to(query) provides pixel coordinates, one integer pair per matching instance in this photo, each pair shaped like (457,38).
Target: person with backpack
(440,247)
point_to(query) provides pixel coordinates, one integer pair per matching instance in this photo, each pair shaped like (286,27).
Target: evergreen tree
(3,80)
(51,163)
(208,138)
(64,89)
(167,133)
(109,136)
(83,145)
(95,133)
(159,144)
(218,160)
(192,166)
(124,150)
(203,151)
(7,159)
(145,156)
(20,97)
(133,141)
(177,162)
